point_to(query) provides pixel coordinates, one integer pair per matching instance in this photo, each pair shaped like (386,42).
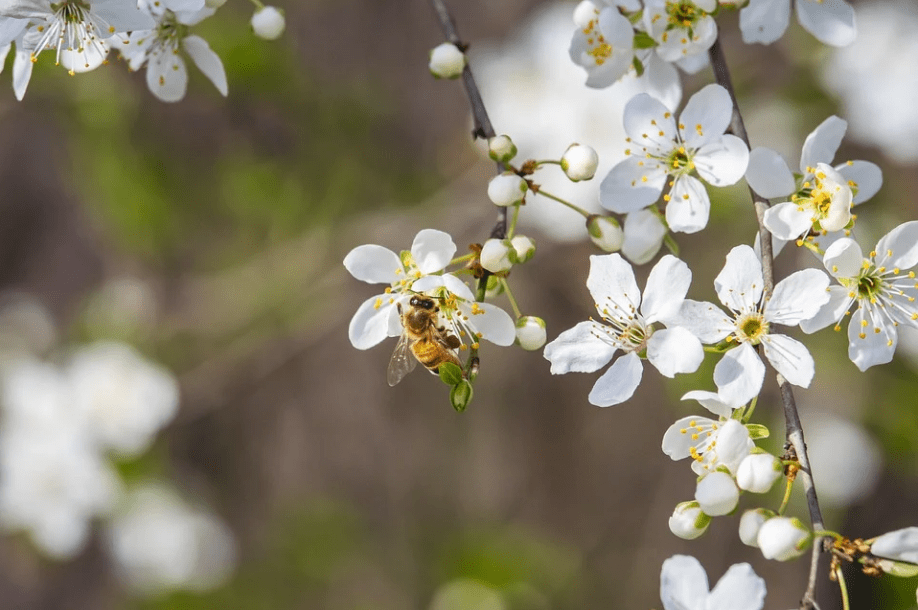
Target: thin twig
(791,416)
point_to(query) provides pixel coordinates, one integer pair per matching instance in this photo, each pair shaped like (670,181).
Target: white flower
(684,586)
(740,373)
(501,148)
(758,472)
(579,162)
(530,332)
(783,538)
(711,444)
(627,325)
(717,494)
(162,49)
(446,61)
(644,233)
(683,30)
(123,399)
(158,542)
(268,22)
(603,43)
(506,189)
(900,545)
(661,150)
(14,31)
(688,521)
(605,232)
(750,524)
(881,287)
(78,30)
(830,21)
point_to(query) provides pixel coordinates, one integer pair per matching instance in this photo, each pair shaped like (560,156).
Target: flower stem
(747,414)
(462,259)
(258,4)
(787,491)
(516,309)
(579,210)
(842,587)
(516,215)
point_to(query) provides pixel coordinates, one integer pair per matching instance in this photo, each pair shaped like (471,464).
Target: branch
(791,416)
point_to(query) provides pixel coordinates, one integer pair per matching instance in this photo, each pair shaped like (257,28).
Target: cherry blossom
(830,21)
(684,586)
(684,30)
(603,42)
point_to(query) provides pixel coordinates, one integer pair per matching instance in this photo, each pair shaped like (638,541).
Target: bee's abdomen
(432,355)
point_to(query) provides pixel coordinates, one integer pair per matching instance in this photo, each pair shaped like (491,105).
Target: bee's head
(422,303)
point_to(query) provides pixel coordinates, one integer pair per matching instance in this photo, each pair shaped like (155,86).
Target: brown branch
(791,416)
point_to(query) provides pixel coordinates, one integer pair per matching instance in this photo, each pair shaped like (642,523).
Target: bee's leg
(398,306)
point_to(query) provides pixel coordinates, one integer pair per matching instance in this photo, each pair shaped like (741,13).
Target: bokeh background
(209,235)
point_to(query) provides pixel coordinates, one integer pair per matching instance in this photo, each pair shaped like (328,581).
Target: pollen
(378,303)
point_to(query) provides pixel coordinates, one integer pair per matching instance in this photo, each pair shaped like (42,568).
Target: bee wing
(402,361)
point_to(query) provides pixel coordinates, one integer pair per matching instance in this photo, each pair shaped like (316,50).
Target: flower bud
(507,189)
(717,494)
(446,61)
(688,521)
(758,472)
(782,538)
(750,524)
(523,248)
(899,545)
(268,23)
(495,255)
(214,3)
(501,148)
(605,233)
(530,333)
(579,162)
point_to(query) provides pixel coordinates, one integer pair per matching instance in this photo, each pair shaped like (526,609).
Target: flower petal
(649,123)
(677,442)
(22,71)
(764,21)
(578,350)
(723,161)
(822,144)
(832,312)
(613,288)
(683,584)
(739,284)
(787,221)
(798,297)
(768,173)
(432,250)
(674,350)
(618,383)
(370,323)
(122,16)
(631,185)
(207,61)
(704,320)
(844,258)
(492,322)
(689,207)
(899,247)
(790,358)
(374,264)
(739,589)
(830,21)
(710,401)
(866,176)
(900,545)
(706,116)
(661,80)
(644,233)
(866,346)
(167,76)
(739,375)
(666,287)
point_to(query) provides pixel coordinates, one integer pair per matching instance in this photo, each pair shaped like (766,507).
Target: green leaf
(757,431)
(450,374)
(642,40)
(461,395)
(638,66)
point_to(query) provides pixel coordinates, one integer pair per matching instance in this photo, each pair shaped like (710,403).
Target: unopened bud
(717,494)
(446,61)
(750,524)
(605,233)
(501,148)
(530,333)
(507,189)
(523,248)
(688,521)
(783,538)
(268,22)
(579,162)
(495,255)
(758,472)
(900,545)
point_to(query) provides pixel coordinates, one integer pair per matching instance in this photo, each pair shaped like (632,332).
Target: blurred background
(173,273)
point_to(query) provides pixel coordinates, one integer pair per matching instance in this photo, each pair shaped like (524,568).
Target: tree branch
(791,416)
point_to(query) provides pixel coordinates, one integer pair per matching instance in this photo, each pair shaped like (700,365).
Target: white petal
(207,61)
(844,258)
(631,185)
(492,322)
(706,116)
(764,21)
(723,161)
(448,281)
(830,21)
(693,64)
(739,375)
(661,80)
(618,383)
(866,347)
(787,221)
(578,350)
(798,297)
(739,284)
(866,176)
(374,264)
(370,323)
(733,445)
(674,350)
(683,584)
(790,358)
(122,16)
(611,284)
(900,545)
(689,207)
(10,29)
(167,77)
(677,442)
(821,145)
(432,250)
(644,233)
(738,589)
(768,173)
(666,287)
(22,72)
(839,302)
(899,247)
(710,401)
(649,123)
(704,320)
(717,494)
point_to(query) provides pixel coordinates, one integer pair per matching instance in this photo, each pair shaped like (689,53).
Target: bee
(421,341)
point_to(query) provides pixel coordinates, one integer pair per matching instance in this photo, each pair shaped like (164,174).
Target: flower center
(597,47)
(73,29)
(679,161)
(750,328)
(683,14)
